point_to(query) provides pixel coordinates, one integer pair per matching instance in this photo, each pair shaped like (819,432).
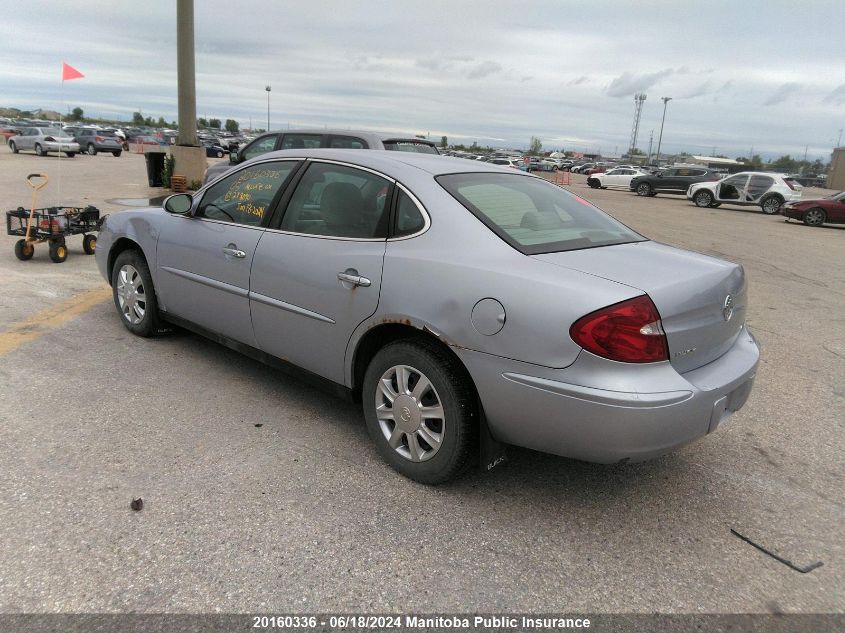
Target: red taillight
(99,139)
(630,332)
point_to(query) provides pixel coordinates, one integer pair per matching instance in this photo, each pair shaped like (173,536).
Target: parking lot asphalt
(263,494)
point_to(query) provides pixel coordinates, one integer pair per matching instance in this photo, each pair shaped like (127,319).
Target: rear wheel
(116,152)
(219,154)
(594,183)
(771,205)
(24,251)
(134,295)
(70,154)
(814,217)
(13,147)
(39,151)
(89,244)
(644,189)
(58,251)
(703,199)
(92,151)
(420,410)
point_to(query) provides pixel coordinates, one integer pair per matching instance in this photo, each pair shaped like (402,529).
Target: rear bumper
(603,411)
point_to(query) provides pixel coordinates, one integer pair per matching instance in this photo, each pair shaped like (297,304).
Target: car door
(317,271)
(757,186)
(665,180)
(25,140)
(732,189)
(204,258)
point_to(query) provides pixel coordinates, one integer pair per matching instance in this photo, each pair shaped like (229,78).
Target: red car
(816,212)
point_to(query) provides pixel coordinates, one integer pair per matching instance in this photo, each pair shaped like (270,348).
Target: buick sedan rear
(454,300)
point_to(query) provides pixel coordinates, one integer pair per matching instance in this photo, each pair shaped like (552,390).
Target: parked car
(747,188)
(817,212)
(675,180)
(215,150)
(507,162)
(619,177)
(93,140)
(42,140)
(309,139)
(578,169)
(411,283)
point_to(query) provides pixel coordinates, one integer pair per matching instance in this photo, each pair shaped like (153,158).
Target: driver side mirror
(233,157)
(179,204)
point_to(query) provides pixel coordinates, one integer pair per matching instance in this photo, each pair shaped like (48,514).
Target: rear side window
(338,201)
(409,219)
(302,141)
(535,216)
(410,146)
(347,142)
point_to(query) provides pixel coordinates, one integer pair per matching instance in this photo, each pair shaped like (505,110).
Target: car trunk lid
(690,291)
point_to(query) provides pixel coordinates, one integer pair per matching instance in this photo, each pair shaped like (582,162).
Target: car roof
(381,136)
(389,160)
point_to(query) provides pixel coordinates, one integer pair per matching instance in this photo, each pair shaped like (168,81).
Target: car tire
(24,251)
(594,183)
(89,244)
(70,154)
(703,199)
(13,147)
(92,151)
(414,453)
(771,204)
(117,152)
(219,154)
(134,294)
(814,217)
(644,189)
(39,151)
(125,146)
(58,251)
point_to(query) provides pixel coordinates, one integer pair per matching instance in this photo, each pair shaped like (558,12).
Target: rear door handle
(232,250)
(351,276)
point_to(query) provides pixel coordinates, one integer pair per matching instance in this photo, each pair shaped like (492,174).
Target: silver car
(44,139)
(460,302)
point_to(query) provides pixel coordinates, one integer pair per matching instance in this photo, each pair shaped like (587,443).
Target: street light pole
(268,107)
(660,138)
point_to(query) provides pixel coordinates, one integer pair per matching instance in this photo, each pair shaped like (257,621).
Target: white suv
(748,188)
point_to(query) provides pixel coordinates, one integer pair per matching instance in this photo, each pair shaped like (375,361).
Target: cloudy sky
(768,75)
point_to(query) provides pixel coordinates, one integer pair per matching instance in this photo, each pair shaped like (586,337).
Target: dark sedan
(817,212)
(672,180)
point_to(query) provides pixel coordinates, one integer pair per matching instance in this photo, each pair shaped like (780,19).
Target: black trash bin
(155,165)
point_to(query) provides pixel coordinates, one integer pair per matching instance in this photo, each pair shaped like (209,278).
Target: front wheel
(13,147)
(771,205)
(703,199)
(39,151)
(89,244)
(92,151)
(219,154)
(643,189)
(420,409)
(23,250)
(134,294)
(116,152)
(814,217)
(594,183)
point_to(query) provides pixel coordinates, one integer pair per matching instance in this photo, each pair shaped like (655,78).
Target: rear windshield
(410,146)
(535,216)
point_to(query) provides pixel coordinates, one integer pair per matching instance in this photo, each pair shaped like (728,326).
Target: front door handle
(351,276)
(232,250)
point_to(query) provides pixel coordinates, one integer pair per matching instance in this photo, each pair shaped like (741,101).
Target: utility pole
(660,138)
(267,88)
(839,142)
(806,147)
(186,75)
(650,141)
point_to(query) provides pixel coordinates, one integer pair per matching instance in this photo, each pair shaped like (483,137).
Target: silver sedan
(465,305)
(42,140)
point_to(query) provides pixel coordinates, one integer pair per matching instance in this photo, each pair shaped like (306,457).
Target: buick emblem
(405,414)
(728,309)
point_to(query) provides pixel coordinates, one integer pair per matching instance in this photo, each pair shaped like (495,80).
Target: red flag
(69,72)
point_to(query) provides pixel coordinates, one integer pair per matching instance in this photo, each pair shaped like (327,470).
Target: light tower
(639,98)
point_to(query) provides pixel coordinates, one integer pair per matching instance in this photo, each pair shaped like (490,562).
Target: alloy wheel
(410,413)
(131,295)
(814,217)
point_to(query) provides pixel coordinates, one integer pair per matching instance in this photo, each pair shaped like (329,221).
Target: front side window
(302,141)
(338,201)
(260,146)
(535,216)
(246,197)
